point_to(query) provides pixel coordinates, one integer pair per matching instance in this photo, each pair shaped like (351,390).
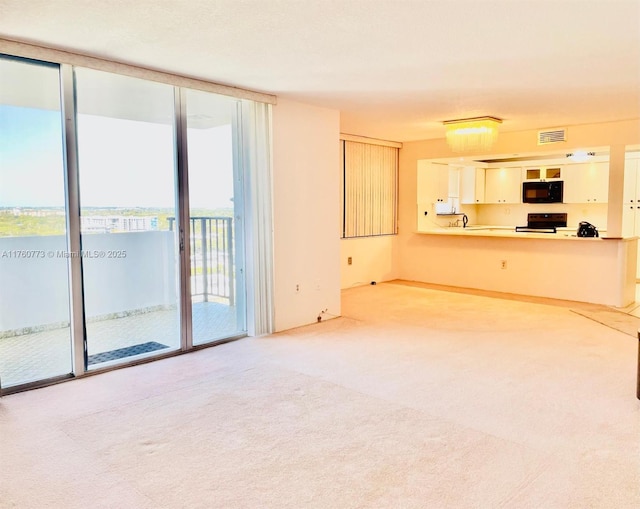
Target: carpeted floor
(623,322)
(415,398)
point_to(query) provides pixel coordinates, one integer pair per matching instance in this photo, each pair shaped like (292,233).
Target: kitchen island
(562,266)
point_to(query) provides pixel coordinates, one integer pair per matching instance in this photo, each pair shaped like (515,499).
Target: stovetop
(541,222)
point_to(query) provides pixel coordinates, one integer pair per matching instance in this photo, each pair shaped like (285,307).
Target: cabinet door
(597,182)
(433,182)
(631,199)
(503,185)
(586,183)
(513,185)
(480,185)
(442,182)
(472,185)
(573,184)
(629,193)
(553,173)
(542,173)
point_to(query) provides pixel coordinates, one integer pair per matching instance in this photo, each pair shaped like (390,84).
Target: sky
(122,163)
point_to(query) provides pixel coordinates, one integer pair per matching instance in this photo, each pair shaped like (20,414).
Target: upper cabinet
(503,185)
(541,173)
(631,198)
(438,187)
(586,182)
(433,182)
(472,185)
(631,193)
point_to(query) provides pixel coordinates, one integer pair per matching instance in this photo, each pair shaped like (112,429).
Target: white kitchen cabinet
(631,202)
(433,182)
(503,185)
(631,198)
(542,173)
(586,183)
(472,184)
(438,187)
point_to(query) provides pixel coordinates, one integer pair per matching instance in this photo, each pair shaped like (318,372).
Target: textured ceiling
(395,69)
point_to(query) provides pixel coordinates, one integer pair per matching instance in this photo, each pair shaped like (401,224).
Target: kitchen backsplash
(516,214)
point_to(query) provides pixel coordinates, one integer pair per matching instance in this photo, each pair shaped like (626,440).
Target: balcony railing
(212,265)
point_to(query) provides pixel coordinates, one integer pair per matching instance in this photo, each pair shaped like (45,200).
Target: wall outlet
(349,261)
(503,264)
(297,288)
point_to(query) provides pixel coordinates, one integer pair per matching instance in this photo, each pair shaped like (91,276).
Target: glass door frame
(183,223)
(76,296)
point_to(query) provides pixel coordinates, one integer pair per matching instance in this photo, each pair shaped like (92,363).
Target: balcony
(131,302)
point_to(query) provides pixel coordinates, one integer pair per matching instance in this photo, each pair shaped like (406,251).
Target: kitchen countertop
(509,232)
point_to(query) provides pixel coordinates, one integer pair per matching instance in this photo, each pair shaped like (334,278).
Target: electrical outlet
(297,288)
(349,261)
(503,264)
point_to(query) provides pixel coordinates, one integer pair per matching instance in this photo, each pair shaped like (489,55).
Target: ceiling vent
(552,136)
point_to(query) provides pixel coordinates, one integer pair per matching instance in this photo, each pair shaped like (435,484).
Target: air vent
(552,136)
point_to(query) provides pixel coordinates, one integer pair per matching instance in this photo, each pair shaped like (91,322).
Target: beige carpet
(415,398)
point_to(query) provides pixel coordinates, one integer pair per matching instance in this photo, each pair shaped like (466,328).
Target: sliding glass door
(215,217)
(126,160)
(145,181)
(35,340)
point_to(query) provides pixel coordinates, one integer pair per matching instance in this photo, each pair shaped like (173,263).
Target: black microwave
(542,192)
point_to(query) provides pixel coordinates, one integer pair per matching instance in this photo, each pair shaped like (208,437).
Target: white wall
(306,209)
(373,259)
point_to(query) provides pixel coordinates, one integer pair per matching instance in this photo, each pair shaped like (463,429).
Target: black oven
(542,192)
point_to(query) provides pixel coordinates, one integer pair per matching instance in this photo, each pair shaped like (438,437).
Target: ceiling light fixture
(580,156)
(478,133)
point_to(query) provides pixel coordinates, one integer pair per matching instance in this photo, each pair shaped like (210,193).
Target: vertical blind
(258,188)
(369,191)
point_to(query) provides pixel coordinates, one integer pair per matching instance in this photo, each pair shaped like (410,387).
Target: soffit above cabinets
(506,161)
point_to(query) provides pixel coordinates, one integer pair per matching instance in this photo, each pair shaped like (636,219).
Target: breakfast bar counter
(559,265)
(509,231)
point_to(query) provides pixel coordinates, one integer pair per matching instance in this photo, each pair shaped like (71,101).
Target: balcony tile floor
(42,355)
